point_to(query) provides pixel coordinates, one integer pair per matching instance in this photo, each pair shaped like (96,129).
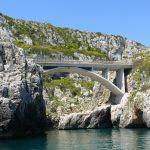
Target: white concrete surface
(113,88)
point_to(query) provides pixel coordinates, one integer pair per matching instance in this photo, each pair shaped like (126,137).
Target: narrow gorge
(32,101)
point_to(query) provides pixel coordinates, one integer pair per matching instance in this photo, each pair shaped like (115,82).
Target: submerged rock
(22,108)
(99,118)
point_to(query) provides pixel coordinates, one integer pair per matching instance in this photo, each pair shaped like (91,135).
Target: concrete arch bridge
(87,68)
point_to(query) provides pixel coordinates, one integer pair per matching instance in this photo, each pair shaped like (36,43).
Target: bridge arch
(112,87)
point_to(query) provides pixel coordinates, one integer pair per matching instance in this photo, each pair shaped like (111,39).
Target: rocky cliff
(72,100)
(22,108)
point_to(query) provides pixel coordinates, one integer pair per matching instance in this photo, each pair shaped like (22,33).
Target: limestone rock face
(126,117)
(146,110)
(116,112)
(26,39)
(99,118)
(5,35)
(2,20)
(22,108)
(131,119)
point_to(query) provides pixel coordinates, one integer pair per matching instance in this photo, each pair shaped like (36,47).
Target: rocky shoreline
(106,116)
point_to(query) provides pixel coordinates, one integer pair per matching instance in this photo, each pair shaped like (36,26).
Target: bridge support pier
(105,73)
(120,83)
(120,80)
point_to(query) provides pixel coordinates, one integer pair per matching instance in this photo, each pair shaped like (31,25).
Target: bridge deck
(111,65)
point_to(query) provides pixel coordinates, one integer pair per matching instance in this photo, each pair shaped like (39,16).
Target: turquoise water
(100,139)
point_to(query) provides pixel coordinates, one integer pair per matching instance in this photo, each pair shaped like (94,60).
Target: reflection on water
(132,138)
(100,139)
(38,143)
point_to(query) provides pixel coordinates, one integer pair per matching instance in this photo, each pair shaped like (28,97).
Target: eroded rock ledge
(99,118)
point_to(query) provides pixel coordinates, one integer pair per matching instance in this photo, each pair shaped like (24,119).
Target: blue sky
(129,18)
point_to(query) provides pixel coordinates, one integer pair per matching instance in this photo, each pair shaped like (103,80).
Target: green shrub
(49,50)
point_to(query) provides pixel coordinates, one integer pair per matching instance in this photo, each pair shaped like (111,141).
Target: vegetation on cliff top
(49,50)
(37,33)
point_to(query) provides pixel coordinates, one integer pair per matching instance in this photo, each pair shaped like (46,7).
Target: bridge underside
(112,87)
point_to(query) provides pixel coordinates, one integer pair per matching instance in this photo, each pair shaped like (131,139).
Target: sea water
(88,139)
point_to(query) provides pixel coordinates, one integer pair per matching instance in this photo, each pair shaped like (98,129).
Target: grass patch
(87,84)
(63,85)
